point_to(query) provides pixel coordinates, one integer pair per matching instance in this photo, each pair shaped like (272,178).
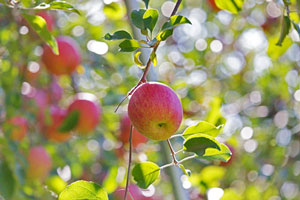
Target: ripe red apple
(18,128)
(67,60)
(89,113)
(51,130)
(39,163)
(155,110)
(48,18)
(137,138)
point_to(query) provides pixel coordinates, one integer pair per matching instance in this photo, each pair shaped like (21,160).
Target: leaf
(175,21)
(163,35)
(7,181)
(110,183)
(223,154)
(296,26)
(83,190)
(285,28)
(70,122)
(58,5)
(129,45)
(275,51)
(137,18)
(145,174)
(185,171)
(146,3)
(203,127)
(150,18)
(233,6)
(137,59)
(153,58)
(119,35)
(214,116)
(199,143)
(39,25)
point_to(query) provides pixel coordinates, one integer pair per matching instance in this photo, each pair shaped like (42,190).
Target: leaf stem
(129,163)
(179,162)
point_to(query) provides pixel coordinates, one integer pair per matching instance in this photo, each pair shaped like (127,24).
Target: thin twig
(129,163)
(176,7)
(179,162)
(172,152)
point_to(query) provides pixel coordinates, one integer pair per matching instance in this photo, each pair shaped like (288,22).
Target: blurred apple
(39,163)
(18,128)
(137,138)
(89,113)
(68,59)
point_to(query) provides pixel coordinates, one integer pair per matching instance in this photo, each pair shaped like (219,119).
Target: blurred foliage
(225,67)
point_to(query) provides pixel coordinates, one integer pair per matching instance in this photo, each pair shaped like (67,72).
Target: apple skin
(39,163)
(68,59)
(155,110)
(51,131)
(48,18)
(19,128)
(134,191)
(137,138)
(89,115)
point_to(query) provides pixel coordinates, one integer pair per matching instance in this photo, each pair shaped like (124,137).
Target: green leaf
(137,59)
(285,29)
(223,154)
(70,122)
(296,26)
(163,35)
(83,190)
(146,3)
(175,21)
(129,45)
(145,174)
(150,18)
(199,143)
(39,25)
(137,18)
(233,6)
(58,5)
(203,127)
(110,183)
(119,35)
(153,58)
(185,171)
(214,116)
(7,181)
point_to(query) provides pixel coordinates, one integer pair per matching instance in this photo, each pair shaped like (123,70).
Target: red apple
(137,138)
(18,128)
(155,110)
(67,60)
(48,18)
(135,192)
(89,113)
(39,163)
(51,128)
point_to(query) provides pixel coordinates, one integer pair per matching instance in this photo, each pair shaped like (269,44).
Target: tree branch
(129,163)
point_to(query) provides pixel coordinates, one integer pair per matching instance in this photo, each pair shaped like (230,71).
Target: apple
(18,128)
(155,110)
(89,113)
(137,138)
(213,5)
(51,128)
(68,59)
(134,190)
(48,18)
(39,163)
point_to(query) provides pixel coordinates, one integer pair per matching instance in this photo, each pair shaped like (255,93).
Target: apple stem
(144,76)
(129,162)
(172,152)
